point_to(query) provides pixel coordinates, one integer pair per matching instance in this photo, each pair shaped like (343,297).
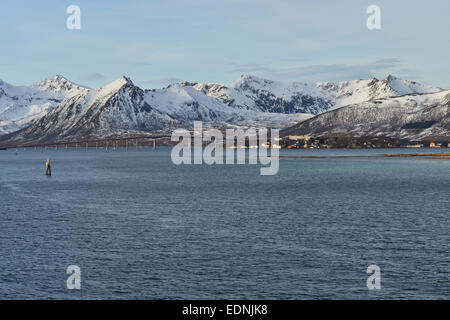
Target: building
(435,145)
(305,138)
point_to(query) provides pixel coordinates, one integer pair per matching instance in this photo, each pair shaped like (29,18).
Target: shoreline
(440,155)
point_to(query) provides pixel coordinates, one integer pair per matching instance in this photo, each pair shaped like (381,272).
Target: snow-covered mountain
(186,102)
(253,93)
(56,108)
(116,108)
(22,105)
(121,107)
(413,117)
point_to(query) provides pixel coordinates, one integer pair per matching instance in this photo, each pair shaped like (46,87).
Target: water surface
(140,227)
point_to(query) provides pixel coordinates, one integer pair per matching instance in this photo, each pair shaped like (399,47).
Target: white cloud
(91,76)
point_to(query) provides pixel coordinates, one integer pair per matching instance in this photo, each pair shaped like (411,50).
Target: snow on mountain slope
(116,108)
(58,83)
(257,94)
(21,105)
(121,107)
(413,116)
(356,91)
(401,87)
(59,108)
(187,102)
(262,95)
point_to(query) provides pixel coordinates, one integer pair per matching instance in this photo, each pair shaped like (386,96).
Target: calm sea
(140,227)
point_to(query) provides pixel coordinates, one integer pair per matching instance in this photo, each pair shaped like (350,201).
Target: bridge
(109,142)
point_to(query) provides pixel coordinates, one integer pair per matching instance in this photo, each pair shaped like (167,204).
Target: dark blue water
(140,227)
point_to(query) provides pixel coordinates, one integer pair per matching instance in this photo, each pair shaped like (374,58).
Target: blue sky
(156,42)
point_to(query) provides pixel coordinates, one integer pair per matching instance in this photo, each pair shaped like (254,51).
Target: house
(434,145)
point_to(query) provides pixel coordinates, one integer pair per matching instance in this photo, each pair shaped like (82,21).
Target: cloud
(260,68)
(296,60)
(91,76)
(251,68)
(342,71)
(387,61)
(162,82)
(326,72)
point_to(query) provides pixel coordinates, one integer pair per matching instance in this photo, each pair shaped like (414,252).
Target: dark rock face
(267,102)
(407,117)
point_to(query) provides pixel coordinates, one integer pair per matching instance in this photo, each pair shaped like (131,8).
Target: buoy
(48,170)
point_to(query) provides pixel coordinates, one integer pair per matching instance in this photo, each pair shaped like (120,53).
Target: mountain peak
(57,83)
(390,77)
(58,77)
(116,85)
(128,79)
(248,79)
(123,80)
(401,86)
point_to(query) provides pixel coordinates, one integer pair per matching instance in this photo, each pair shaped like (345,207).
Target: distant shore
(440,155)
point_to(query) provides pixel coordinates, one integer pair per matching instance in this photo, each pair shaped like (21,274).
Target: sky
(158,42)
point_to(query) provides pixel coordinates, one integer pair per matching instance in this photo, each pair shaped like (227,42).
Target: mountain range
(410,117)
(57,109)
